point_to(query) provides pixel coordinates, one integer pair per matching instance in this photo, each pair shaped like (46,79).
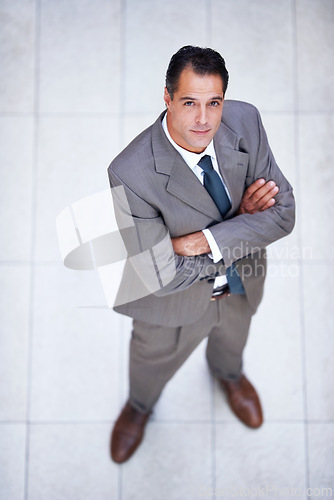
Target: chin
(197,146)
(202,142)
(202,145)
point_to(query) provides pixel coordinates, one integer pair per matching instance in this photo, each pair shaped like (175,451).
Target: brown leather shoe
(243,401)
(127,433)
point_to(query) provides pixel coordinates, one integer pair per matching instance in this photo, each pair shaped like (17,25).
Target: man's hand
(258,197)
(191,244)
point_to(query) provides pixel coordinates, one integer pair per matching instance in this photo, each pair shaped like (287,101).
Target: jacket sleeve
(248,233)
(149,246)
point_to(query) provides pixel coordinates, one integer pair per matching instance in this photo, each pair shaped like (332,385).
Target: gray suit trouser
(156,352)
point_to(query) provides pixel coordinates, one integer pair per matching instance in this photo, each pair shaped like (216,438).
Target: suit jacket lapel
(182,182)
(232,165)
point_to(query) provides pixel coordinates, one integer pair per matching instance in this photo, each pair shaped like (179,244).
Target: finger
(269,204)
(253,188)
(265,199)
(270,194)
(268,189)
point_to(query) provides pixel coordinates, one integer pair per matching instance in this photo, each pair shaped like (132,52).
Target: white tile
(125,349)
(288,249)
(173,462)
(12,455)
(256,40)
(14,313)
(80,56)
(71,461)
(187,396)
(263,461)
(273,354)
(74,154)
(315,42)
(321,456)
(317,184)
(133,125)
(154,32)
(319,341)
(16,156)
(280,128)
(75,369)
(17,43)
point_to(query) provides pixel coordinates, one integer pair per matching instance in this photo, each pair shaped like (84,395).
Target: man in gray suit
(205,197)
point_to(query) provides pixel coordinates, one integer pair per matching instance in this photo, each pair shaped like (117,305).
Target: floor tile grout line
(208,22)
(122,344)
(61,114)
(123,34)
(36,423)
(304,369)
(213,435)
(36,263)
(127,114)
(123,72)
(300,240)
(32,245)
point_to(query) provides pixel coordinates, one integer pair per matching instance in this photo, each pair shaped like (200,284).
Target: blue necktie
(217,191)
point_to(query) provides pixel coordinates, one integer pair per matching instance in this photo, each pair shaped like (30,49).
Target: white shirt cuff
(216,254)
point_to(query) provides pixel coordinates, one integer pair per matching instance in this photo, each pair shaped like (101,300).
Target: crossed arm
(257,198)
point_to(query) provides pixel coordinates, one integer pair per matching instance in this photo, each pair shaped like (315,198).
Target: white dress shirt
(192,160)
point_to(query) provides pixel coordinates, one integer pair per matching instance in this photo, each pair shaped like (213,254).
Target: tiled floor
(79,79)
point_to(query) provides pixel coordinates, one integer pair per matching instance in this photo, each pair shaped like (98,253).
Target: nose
(201,117)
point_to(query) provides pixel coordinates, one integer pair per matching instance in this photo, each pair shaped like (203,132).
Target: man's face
(194,114)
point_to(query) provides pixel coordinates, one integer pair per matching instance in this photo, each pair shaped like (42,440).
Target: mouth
(200,133)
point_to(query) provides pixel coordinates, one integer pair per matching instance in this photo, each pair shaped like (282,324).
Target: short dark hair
(203,61)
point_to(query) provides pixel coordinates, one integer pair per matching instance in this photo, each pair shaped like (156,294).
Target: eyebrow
(215,98)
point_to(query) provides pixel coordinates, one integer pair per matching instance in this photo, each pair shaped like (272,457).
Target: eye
(188,103)
(214,104)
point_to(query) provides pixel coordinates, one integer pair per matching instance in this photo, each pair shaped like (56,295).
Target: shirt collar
(190,158)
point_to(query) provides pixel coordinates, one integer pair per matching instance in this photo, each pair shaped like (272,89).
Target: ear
(167,98)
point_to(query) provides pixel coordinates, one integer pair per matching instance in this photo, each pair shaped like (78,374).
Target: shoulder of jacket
(240,116)
(238,109)
(137,147)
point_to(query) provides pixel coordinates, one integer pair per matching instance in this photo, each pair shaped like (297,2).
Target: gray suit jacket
(165,199)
